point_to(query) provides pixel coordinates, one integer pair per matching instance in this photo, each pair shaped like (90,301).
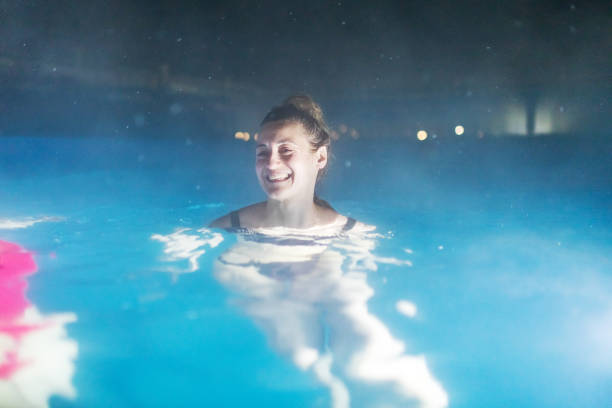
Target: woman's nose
(274,160)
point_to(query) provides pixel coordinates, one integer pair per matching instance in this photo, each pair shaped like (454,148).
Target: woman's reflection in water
(309,295)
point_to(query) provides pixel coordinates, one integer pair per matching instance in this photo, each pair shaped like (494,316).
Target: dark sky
(417,45)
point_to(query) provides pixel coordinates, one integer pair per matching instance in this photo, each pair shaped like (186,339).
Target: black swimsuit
(235,219)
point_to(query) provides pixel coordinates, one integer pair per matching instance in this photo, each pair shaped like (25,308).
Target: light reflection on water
(309,295)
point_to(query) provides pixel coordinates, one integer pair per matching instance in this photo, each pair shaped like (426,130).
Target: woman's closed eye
(285,151)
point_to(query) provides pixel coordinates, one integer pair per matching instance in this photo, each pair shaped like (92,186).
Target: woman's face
(285,164)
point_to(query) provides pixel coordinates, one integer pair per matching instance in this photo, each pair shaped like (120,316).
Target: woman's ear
(321,157)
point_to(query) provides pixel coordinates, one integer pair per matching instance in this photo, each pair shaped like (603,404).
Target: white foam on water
(20,223)
(185,244)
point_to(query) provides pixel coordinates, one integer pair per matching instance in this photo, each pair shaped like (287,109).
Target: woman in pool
(291,155)
(300,280)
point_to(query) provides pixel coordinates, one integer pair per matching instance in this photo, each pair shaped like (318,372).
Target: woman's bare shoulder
(352,224)
(245,214)
(221,222)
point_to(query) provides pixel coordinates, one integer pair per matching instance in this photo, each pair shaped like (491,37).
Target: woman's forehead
(276,132)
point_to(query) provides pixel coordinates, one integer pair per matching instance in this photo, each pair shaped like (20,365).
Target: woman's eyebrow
(283,141)
(287,141)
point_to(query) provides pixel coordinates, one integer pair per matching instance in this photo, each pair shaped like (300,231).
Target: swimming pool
(487,282)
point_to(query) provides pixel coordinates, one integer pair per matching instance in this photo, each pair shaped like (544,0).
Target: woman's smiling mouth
(278,178)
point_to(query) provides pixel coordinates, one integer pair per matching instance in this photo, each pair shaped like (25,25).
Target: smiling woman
(291,155)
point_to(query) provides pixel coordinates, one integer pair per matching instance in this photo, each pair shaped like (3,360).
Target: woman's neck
(291,213)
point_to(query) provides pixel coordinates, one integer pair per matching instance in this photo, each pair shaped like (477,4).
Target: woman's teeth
(276,179)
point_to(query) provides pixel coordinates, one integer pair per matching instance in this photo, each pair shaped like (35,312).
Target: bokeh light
(459,130)
(242,136)
(421,135)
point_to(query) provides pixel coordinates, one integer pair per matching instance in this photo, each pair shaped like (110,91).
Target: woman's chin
(277,192)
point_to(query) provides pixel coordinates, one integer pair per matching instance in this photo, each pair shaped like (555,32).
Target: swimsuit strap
(235,218)
(350,223)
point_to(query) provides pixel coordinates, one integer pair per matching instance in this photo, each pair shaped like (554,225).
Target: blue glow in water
(510,282)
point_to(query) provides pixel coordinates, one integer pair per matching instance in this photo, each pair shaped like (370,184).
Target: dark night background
(384,67)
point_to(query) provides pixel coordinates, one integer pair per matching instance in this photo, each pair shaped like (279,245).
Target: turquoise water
(499,249)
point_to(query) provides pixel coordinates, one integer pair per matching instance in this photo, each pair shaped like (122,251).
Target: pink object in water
(15,264)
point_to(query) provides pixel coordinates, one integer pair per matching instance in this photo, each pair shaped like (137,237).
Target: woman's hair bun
(305,104)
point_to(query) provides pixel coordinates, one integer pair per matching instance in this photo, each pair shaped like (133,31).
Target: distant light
(242,136)
(354,134)
(256,136)
(343,128)
(421,135)
(459,130)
